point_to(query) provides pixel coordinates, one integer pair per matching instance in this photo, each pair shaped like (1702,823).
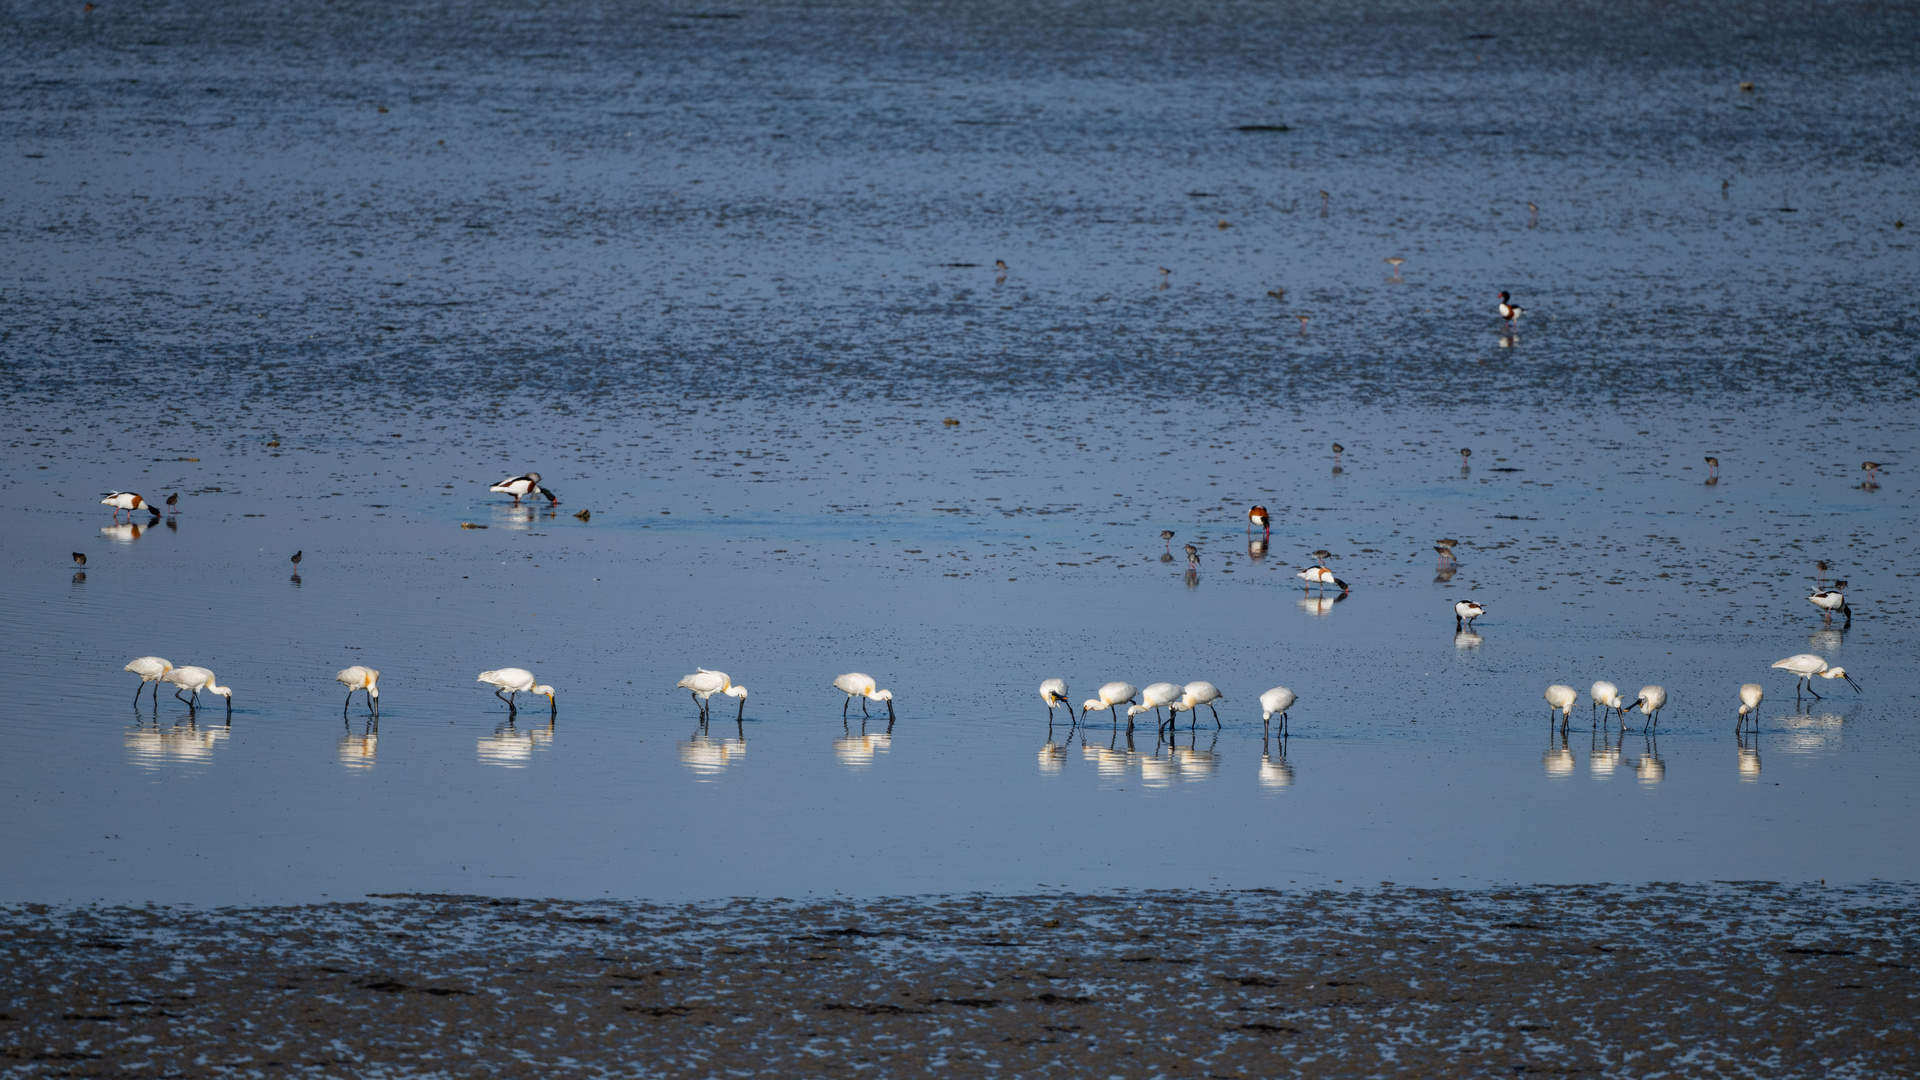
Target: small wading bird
(1445,551)
(1561,698)
(1607,696)
(1713,468)
(1112,696)
(1820,573)
(1304,319)
(1320,557)
(1167,535)
(1337,451)
(1464,612)
(1193,557)
(297,556)
(1806,665)
(1465,453)
(517,681)
(1320,575)
(526,485)
(1258,516)
(703,684)
(1651,700)
(1510,311)
(173,500)
(361,677)
(1053,692)
(856,685)
(1830,601)
(1155,697)
(79,558)
(1750,695)
(128,501)
(197,679)
(151,669)
(1395,261)
(1276,701)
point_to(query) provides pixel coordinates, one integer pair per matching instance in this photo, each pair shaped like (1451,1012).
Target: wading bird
(1750,695)
(1258,516)
(79,558)
(173,500)
(1873,471)
(525,485)
(1277,700)
(1465,453)
(1561,698)
(1713,467)
(517,681)
(1155,697)
(1167,535)
(1509,310)
(1193,557)
(856,685)
(128,501)
(151,669)
(1806,665)
(1820,573)
(1651,700)
(197,679)
(361,677)
(703,684)
(1320,575)
(1337,451)
(1053,692)
(1607,696)
(1112,696)
(1198,693)
(1830,601)
(1464,612)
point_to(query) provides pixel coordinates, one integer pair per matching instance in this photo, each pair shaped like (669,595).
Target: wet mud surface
(1733,979)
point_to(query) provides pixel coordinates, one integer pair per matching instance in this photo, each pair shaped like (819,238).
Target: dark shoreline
(1701,980)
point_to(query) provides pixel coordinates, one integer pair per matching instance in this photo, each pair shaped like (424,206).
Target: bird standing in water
(1167,535)
(1337,451)
(1053,692)
(527,484)
(1713,467)
(360,677)
(1873,472)
(1465,453)
(1464,612)
(1193,557)
(1509,310)
(1832,600)
(1750,695)
(1258,516)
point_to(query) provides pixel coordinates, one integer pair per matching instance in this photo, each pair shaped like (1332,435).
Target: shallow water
(231,276)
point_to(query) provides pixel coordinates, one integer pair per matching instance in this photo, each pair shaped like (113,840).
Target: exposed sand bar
(1732,979)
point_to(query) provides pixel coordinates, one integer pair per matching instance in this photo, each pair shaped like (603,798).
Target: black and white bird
(1832,600)
(527,485)
(1258,516)
(1509,310)
(128,501)
(1464,612)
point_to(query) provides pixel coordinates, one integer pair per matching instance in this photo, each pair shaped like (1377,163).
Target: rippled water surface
(726,278)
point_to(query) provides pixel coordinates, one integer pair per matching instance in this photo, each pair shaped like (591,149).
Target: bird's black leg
(1215,712)
(1457,624)
(177,697)
(843,708)
(863,706)
(742,714)
(349,703)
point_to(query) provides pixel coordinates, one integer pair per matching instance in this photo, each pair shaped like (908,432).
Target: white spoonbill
(703,684)
(857,685)
(1806,665)
(128,501)
(517,681)
(361,677)
(1562,698)
(1054,692)
(1112,696)
(197,679)
(1651,700)
(1830,601)
(1464,612)
(527,485)
(1277,700)
(1750,695)
(151,669)
(1201,692)
(1156,696)
(1607,696)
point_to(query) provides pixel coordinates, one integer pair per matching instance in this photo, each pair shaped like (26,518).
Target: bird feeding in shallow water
(128,501)
(151,669)
(1651,700)
(517,681)
(527,485)
(1464,612)
(1395,261)
(197,679)
(1820,573)
(1053,692)
(1258,516)
(1465,453)
(1830,601)
(79,558)
(1561,698)
(856,685)
(703,684)
(1750,695)
(1607,696)
(1167,535)
(1195,694)
(1713,467)
(1320,575)
(1111,697)
(173,500)
(361,677)
(1337,451)
(1806,665)
(1155,697)
(297,556)
(1276,701)
(1873,471)
(1193,557)
(1509,310)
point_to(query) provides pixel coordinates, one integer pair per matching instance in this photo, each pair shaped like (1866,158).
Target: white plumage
(128,501)
(1561,698)
(527,484)
(361,677)
(151,669)
(517,681)
(1111,697)
(196,679)
(1156,696)
(1806,665)
(856,684)
(1054,692)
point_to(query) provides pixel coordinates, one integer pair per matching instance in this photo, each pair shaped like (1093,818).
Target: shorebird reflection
(1603,754)
(858,751)
(1651,768)
(1167,763)
(1467,639)
(512,748)
(152,747)
(1256,549)
(1559,756)
(1320,605)
(1445,574)
(1825,640)
(126,533)
(1748,747)
(1275,770)
(1807,733)
(1193,578)
(708,756)
(356,751)
(1053,757)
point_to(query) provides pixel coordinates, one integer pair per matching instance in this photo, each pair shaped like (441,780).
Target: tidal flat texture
(1731,979)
